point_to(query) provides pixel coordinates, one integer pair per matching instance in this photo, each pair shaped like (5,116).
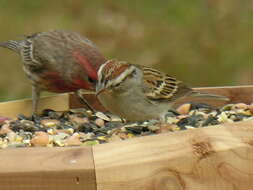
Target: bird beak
(100,91)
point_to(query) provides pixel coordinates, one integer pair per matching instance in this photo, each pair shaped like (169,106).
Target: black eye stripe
(132,74)
(102,78)
(91,80)
(116,85)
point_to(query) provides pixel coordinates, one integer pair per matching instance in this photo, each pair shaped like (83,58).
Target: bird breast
(55,82)
(132,105)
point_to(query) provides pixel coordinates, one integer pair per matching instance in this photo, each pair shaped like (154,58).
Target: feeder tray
(215,157)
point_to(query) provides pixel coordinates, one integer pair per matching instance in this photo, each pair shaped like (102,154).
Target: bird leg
(35,98)
(83,100)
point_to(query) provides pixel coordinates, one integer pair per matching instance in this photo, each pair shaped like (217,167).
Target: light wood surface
(47,169)
(236,94)
(204,159)
(59,102)
(11,109)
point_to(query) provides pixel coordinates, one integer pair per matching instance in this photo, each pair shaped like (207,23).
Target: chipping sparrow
(139,93)
(58,61)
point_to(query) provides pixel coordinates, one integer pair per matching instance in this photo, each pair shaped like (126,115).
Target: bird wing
(27,51)
(161,86)
(24,47)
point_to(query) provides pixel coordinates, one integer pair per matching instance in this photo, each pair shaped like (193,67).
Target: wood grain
(208,158)
(47,168)
(201,159)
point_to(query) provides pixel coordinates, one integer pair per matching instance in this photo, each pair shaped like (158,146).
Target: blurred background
(202,42)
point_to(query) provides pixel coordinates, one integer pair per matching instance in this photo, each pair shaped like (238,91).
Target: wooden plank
(11,109)
(236,94)
(207,158)
(59,102)
(47,168)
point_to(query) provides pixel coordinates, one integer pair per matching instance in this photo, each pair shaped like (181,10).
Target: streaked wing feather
(27,52)
(161,86)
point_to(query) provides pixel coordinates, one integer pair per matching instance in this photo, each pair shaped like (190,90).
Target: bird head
(112,75)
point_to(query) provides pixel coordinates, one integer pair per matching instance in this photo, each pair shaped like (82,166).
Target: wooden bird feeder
(216,157)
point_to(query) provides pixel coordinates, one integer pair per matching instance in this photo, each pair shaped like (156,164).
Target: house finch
(58,61)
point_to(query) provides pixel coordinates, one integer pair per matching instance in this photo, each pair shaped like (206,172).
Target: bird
(139,93)
(58,61)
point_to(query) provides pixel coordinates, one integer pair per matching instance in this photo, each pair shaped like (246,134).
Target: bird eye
(133,74)
(116,85)
(91,80)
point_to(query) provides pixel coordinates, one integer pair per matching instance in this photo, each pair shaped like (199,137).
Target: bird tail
(12,45)
(208,96)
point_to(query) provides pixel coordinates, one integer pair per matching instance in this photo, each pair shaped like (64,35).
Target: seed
(102,116)
(184,109)
(40,139)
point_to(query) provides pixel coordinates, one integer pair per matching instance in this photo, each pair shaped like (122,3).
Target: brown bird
(58,61)
(139,93)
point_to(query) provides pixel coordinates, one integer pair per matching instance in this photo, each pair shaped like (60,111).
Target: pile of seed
(82,127)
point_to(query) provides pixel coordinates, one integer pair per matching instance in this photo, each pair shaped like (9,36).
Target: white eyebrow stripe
(100,71)
(122,76)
